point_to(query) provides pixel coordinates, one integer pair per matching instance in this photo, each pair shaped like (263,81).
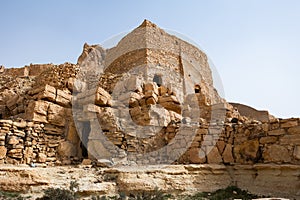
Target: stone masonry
(37,123)
(152,93)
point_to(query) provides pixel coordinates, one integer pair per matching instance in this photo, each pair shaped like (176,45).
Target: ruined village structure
(150,100)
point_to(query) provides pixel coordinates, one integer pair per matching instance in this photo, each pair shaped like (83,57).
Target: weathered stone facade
(38,124)
(130,104)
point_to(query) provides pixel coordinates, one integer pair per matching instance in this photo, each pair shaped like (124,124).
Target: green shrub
(58,194)
(12,196)
(229,193)
(150,195)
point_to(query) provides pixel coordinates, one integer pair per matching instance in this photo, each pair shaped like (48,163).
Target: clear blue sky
(254,44)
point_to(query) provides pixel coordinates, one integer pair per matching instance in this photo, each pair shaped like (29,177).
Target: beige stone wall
(252,113)
(49,106)
(276,142)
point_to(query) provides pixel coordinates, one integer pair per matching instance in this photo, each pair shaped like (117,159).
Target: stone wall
(252,113)
(274,142)
(131,104)
(30,70)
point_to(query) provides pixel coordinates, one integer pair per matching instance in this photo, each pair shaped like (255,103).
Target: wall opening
(197,89)
(157,79)
(85,138)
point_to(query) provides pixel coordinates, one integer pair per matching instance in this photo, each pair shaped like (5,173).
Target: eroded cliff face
(148,101)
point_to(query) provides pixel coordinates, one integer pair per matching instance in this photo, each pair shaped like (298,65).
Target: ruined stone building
(148,100)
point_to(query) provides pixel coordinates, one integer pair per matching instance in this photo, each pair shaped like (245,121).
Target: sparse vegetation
(11,196)
(229,193)
(58,194)
(150,195)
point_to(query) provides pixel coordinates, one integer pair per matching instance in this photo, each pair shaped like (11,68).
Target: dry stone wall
(37,124)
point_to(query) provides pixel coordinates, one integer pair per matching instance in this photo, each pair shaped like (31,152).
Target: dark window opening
(197,89)
(157,79)
(85,138)
(0,116)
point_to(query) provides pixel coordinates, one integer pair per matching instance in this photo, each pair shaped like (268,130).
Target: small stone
(277,132)
(104,163)
(42,158)
(13,140)
(86,162)
(296,152)
(268,139)
(3,152)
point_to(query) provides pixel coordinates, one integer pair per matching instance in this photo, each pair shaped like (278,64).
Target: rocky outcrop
(175,179)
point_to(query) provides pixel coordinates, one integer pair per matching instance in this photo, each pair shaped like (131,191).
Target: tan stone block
(86,162)
(21,124)
(102,98)
(151,87)
(56,115)
(36,117)
(67,149)
(72,134)
(11,103)
(213,155)
(172,106)
(296,152)
(162,90)
(290,139)
(47,92)
(15,153)
(290,123)
(246,151)
(13,140)
(150,101)
(19,133)
(277,132)
(42,158)
(227,154)
(135,111)
(196,156)
(3,152)
(294,130)
(53,130)
(36,109)
(63,98)
(265,126)
(170,98)
(221,145)
(276,153)
(133,102)
(268,139)
(149,94)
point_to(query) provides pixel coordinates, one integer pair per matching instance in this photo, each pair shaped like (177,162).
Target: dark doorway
(157,79)
(85,138)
